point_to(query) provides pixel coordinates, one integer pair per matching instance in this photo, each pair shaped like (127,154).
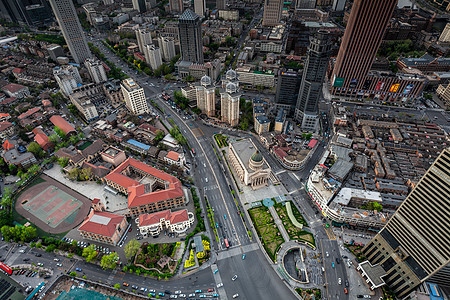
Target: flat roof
(138,144)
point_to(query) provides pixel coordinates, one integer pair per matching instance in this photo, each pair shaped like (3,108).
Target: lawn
(221,140)
(294,232)
(267,230)
(151,254)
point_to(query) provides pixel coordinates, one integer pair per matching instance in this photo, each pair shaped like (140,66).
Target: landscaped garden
(294,232)
(221,140)
(159,257)
(267,230)
(315,294)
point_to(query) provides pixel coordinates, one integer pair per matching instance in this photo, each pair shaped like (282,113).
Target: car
(243,256)
(182,295)
(135,287)
(78,270)
(22,251)
(338,260)
(173,296)
(56,259)
(367,297)
(40,264)
(198,291)
(26,259)
(59,265)
(210,290)
(234,277)
(177,292)
(167,292)
(328,254)
(192,295)
(346,283)
(235,296)
(126,284)
(219,285)
(215,271)
(38,255)
(152,291)
(332,264)
(202,296)
(161,294)
(339,280)
(345,290)
(152,294)
(215,295)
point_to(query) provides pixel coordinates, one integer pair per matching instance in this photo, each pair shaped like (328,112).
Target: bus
(226,243)
(193,151)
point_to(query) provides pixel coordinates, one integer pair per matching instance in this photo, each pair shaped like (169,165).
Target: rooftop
(101,223)
(245,149)
(262,119)
(167,215)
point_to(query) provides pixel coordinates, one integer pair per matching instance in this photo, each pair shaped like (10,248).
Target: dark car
(346,283)
(38,255)
(167,292)
(26,259)
(338,260)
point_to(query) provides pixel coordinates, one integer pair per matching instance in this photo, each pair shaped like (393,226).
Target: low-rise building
(16,90)
(6,129)
(175,158)
(113,155)
(14,157)
(113,92)
(103,227)
(62,124)
(175,222)
(42,139)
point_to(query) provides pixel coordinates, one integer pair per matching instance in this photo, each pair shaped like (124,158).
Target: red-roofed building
(63,125)
(139,56)
(175,158)
(42,139)
(7,145)
(312,143)
(103,227)
(33,116)
(4,117)
(9,101)
(6,130)
(148,189)
(16,90)
(17,71)
(46,102)
(176,222)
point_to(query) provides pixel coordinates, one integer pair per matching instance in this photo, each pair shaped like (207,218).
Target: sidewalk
(280,226)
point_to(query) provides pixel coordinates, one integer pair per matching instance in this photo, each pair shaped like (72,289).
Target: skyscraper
(167,46)
(414,246)
(305,4)
(272,12)
(153,56)
(229,99)
(190,33)
(176,6)
(143,37)
(200,7)
(206,96)
(71,29)
(288,86)
(139,5)
(318,55)
(221,4)
(362,38)
(134,97)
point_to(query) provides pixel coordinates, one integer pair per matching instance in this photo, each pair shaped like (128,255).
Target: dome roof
(231,88)
(206,80)
(231,75)
(257,156)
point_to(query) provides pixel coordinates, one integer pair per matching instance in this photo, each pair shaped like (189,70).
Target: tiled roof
(9,145)
(102,223)
(94,148)
(98,171)
(8,100)
(173,155)
(29,112)
(173,217)
(40,137)
(63,124)
(5,125)
(18,70)
(13,87)
(148,127)
(4,115)
(136,192)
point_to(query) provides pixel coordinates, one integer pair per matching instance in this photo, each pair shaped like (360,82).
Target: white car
(235,296)
(339,281)
(219,285)
(234,277)
(177,292)
(59,265)
(367,297)
(182,296)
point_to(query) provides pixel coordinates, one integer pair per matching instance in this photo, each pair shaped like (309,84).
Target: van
(206,179)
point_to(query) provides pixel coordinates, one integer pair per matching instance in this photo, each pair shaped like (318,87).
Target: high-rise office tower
(139,5)
(153,56)
(134,97)
(14,11)
(288,86)
(305,4)
(67,18)
(272,12)
(414,246)
(190,33)
(221,4)
(176,6)
(167,46)
(362,38)
(318,55)
(206,96)
(96,70)
(229,99)
(200,7)
(144,37)
(338,5)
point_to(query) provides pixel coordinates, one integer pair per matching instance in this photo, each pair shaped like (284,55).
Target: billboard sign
(408,89)
(5,268)
(394,87)
(338,81)
(380,86)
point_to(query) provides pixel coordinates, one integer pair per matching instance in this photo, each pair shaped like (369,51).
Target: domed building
(249,164)
(206,96)
(229,99)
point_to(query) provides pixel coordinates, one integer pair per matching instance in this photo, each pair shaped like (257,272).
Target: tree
(54,138)
(109,261)
(60,132)
(73,274)
(63,161)
(117,286)
(5,218)
(89,253)
(7,197)
(132,248)
(34,148)
(85,174)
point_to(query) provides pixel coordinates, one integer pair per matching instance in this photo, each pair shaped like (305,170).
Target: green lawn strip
(294,232)
(211,218)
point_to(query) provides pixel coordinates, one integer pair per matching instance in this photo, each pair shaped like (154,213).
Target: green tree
(109,261)
(89,253)
(7,197)
(63,161)
(117,286)
(73,274)
(5,218)
(132,248)
(85,174)
(54,138)
(73,174)
(50,248)
(60,132)
(34,148)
